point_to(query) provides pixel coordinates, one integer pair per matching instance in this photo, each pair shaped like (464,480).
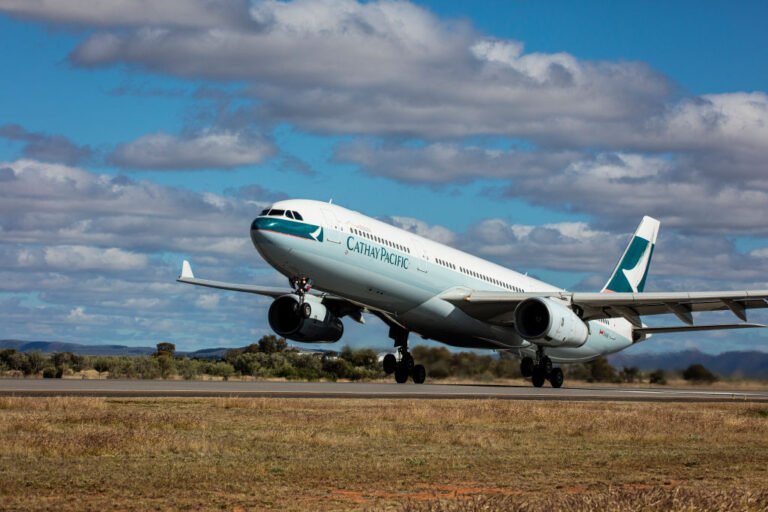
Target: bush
(600,370)
(697,373)
(657,377)
(630,375)
(49,372)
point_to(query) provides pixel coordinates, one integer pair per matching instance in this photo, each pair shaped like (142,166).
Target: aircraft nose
(257,230)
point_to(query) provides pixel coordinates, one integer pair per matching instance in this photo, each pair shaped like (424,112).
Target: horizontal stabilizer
(689,328)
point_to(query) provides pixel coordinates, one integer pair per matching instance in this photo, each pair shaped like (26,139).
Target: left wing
(188,277)
(341,306)
(498,307)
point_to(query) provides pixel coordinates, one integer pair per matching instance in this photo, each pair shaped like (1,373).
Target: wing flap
(689,328)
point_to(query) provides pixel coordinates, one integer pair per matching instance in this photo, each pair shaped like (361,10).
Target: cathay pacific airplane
(341,263)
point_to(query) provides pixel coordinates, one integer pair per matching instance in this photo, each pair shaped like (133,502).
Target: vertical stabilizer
(632,269)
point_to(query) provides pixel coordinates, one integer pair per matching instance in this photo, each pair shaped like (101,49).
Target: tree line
(271,357)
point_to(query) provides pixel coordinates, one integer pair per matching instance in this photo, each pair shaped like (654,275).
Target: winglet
(186,271)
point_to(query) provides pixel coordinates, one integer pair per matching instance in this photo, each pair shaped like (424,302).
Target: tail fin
(632,269)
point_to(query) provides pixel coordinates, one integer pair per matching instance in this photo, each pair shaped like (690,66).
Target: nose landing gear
(404,367)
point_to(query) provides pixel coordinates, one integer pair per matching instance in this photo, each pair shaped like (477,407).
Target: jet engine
(309,321)
(549,323)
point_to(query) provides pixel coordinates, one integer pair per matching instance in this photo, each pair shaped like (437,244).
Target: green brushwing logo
(632,270)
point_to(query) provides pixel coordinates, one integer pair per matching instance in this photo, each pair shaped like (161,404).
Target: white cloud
(207,301)
(439,234)
(180,13)
(80,257)
(202,151)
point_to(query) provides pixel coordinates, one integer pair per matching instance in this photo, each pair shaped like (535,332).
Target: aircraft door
(422,258)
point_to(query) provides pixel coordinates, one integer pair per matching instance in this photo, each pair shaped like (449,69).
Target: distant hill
(101,350)
(728,364)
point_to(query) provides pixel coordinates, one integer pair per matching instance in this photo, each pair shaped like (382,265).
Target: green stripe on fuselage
(288,227)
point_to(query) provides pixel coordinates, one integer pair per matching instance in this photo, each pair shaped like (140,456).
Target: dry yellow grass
(320,454)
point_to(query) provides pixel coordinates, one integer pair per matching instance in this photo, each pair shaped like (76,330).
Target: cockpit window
(264,212)
(297,216)
(289,214)
(276,213)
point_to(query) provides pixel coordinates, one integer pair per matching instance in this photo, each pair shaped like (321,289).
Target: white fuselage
(369,262)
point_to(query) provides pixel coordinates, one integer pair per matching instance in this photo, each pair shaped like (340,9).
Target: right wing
(498,307)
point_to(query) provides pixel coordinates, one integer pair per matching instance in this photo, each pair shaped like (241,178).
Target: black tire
(408,362)
(546,365)
(389,364)
(419,374)
(526,367)
(401,374)
(556,377)
(538,378)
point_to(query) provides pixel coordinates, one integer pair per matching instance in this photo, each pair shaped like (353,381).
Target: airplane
(341,263)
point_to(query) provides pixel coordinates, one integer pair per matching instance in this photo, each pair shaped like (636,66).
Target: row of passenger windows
(478,275)
(381,240)
(276,212)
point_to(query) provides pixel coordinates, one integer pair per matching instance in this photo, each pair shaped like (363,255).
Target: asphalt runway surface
(160,388)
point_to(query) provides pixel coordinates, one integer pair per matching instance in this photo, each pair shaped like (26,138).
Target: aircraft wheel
(546,364)
(556,377)
(419,374)
(401,374)
(538,376)
(389,363)
(407,361)
(526,367)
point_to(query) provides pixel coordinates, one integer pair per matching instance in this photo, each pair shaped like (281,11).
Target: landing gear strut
(406,366)
(301,286)
(541,370)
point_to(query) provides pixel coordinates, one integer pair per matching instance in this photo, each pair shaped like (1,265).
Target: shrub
(657,377)
(600,370)
(698,373)
(49,372)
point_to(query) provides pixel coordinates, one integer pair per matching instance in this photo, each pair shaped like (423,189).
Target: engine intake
(549,323)
(309,322)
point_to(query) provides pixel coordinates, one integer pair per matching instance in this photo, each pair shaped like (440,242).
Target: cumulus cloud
(96,250)
(439,234)
(442,162)
(393,68)
(382,68)
(177,13)
(80,257)
(617,187)
(207,150)
(49,148)
(57,205)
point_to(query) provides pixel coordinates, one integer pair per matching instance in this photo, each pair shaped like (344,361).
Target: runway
(159,388)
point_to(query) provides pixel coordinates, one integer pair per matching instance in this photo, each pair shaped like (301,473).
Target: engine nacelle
(549,323)
(309,322)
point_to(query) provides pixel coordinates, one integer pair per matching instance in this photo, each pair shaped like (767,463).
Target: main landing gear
(406,366)
(541,371)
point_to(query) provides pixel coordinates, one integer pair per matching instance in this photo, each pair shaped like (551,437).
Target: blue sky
(535,134)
